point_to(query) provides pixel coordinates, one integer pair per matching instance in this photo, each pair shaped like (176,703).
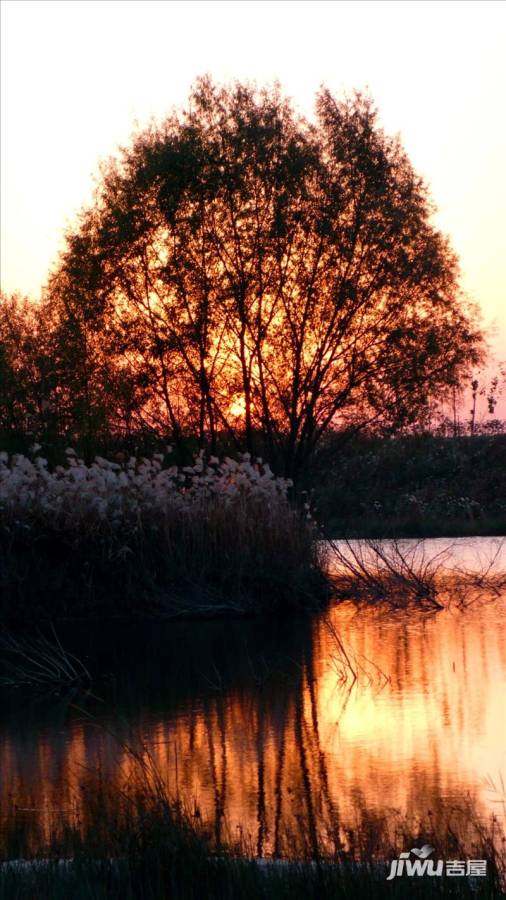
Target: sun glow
(237,408)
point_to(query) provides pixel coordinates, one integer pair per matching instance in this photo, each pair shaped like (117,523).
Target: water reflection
(267,730)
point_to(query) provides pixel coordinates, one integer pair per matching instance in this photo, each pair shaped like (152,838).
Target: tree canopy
(244,271)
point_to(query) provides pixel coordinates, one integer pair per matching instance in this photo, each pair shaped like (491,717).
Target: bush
(411,486)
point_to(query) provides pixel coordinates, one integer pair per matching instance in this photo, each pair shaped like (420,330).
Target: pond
(281,733)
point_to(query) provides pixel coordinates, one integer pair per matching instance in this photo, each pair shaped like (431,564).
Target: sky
(77,78)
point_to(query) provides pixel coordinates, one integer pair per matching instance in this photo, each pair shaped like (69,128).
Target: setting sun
(252,449)
(237,408)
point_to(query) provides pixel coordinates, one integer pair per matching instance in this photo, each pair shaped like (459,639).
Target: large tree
(257,274)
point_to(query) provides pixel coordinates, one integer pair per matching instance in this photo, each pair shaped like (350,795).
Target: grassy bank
(414,486)
(144,537)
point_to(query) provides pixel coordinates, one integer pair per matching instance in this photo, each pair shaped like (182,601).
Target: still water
(274,729)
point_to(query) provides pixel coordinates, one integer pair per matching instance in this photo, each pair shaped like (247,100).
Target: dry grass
(403,574)
(385,571)
(207,540)
(41,662)
(138,843)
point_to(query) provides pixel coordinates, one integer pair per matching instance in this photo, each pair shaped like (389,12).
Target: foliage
(414,485)
(26,371)
(246,272)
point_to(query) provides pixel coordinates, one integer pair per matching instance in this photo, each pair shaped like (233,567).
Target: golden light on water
(423,723)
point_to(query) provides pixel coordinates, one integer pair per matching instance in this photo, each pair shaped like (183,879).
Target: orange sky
(76,76)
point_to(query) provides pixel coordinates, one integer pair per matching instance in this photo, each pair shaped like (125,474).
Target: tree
(26,370)
(267,277)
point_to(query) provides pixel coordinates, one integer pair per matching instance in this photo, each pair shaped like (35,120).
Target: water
(268,729)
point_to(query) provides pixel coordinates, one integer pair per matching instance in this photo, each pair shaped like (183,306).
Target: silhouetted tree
(27,380)
(252,273)
(53,386)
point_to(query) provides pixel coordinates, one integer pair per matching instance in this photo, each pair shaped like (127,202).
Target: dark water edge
(52,579)
(255,722)
(158,878)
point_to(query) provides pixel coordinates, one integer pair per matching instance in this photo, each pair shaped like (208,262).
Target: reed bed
(145,537)
(139,844)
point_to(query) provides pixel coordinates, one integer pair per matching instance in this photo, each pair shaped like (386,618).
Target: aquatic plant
(138,843)
(217,536)
(40,661)
(403,573)
(107,494)
(386,571)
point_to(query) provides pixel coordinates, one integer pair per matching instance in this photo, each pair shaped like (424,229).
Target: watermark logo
(424,852)
(404,865)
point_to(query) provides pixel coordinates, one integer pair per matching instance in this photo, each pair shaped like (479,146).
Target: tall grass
(40,661)
(137,843)
(412,486)
(146,537)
